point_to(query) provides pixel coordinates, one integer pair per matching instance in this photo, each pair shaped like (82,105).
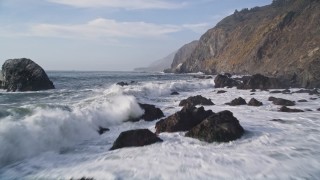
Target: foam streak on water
(54,137)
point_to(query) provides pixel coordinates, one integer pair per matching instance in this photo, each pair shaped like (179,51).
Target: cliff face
(280,40)
(182,54)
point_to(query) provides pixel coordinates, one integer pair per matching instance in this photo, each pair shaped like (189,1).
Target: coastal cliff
(278,40)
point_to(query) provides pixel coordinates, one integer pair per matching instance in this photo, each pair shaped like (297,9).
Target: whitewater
(53,134)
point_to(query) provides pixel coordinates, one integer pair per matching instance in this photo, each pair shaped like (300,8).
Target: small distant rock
(174,93)
(286,109)
(196,100)
(202,77)
(286,91)
(313,98)
(135,138)
(279,120)
(102,130)
(275,92)
(221,91)
(281,102)
(254,102)
(24,75)
(224,81)
(219,127)
(302,100)
(308,109)
(309,91)
(122,83)
(253,90)
(83,178)
(183,120)
(237,102)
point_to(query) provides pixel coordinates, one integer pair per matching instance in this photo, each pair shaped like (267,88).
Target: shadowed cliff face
(281,40)
(182,54)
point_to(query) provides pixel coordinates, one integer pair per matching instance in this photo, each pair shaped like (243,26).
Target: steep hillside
(158,65)
(281,40)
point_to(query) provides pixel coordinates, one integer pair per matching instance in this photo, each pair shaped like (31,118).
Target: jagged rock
(286,109)
(174,93)
(219,127)
(151,112)
(259,81)
(122,83)
(24,75)
(224,81)
(221,91)
(282,102)
(302,100)
(135,138)
(254,102)
(102,130)
(196,100)
(183,120)
(236,102)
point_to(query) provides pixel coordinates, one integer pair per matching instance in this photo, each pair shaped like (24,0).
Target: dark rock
(122,83)
(252,93)
(254,102)
(221,91)
(24,75)
(228,75)
(279,120)
(83,178)
(151,112)
(286,91)
(236,102)
(102,130)
(196,100)
(286,109)
(202,77)
(309,91)
(253,90)
(224,81)
(318,109)
(183,120)
(302,100)
(174,93)
(275,92)
(135,138)
(259,81)
(313,98)
(282,102)
(219,127)
(308,109)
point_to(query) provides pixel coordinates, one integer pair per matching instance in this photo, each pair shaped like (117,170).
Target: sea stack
(24,75)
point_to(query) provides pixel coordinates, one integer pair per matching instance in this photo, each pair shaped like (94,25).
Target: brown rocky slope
(280,40)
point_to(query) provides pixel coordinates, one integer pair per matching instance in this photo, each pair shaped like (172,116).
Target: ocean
(53,134)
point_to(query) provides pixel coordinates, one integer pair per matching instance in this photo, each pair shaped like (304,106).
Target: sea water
(53,134)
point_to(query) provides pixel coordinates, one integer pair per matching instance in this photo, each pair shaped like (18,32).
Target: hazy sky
(105,34)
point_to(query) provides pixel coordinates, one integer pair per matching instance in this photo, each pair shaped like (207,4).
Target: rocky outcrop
(221,81)
(181,56)
(151,112)
(274,40)
(281,101)
(24,75)
(135,138)
(183,120)
(196,100)
(237,102)
(259,81)
(219,127)
(254,102)
(286,109)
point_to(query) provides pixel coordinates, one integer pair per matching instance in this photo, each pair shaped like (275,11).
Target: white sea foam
(50,128)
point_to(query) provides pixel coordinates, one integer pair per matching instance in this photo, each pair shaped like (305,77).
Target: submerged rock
(24,75)
(286,109)
(102,130)
(282,102)
(254,102)
(196,100)
(236,102)
(134,138)
(174,93)
(224,81)
(219,127)
(183,120)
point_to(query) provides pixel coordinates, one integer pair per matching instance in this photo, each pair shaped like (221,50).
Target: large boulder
(224,81)
(219,127)
(259,81)
(134,138)
(183,120)
(254,102)
(24,75)
(282,102)
(196,100)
